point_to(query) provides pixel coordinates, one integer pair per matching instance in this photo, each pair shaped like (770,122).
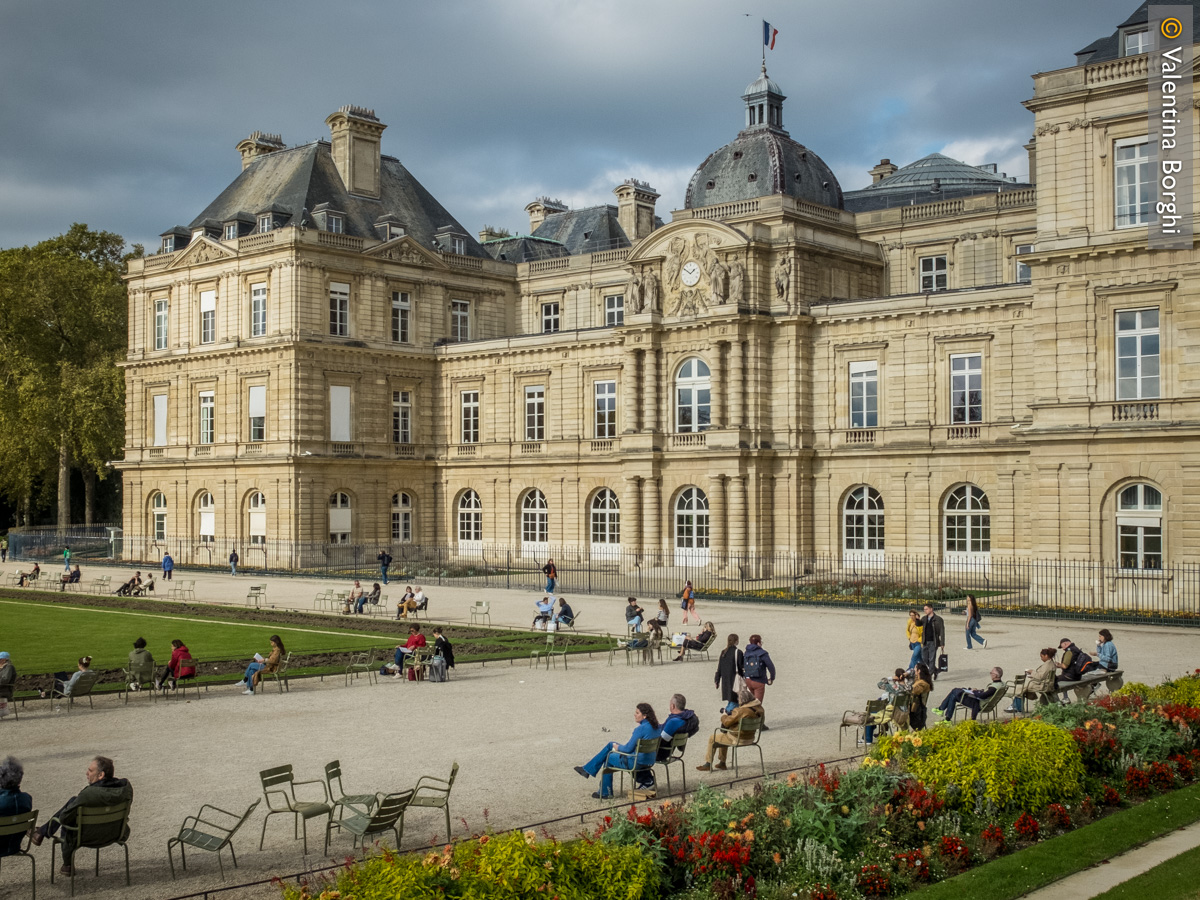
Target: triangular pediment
(407,250)
(201,250)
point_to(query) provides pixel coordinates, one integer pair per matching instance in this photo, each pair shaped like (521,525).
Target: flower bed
(922,807)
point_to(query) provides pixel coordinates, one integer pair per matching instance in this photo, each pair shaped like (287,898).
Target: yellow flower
(530,836)
(772,812)
(732,823)
(787,822)
(845,810)
(916,741)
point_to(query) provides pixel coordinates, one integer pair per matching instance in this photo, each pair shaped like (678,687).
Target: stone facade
(799,313)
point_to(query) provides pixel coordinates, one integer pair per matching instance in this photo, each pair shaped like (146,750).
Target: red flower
(993,834)
(1027,827)
(1109,796)
(1162,776)
(1137,781)
(873,881)
(953,850)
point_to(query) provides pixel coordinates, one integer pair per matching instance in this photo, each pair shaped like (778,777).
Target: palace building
(944,363)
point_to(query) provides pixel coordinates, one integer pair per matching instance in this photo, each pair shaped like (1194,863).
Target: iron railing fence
(1021,586)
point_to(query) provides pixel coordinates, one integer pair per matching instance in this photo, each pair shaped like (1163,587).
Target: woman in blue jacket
(621,756)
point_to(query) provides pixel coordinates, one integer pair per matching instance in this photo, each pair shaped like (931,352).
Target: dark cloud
(125,115)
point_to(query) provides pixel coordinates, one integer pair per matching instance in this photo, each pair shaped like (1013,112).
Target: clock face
(690,273)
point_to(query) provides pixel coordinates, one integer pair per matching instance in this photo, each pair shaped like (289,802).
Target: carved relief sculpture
(650,291)
(633,293)
(737,280)
(718,277)
(675,251)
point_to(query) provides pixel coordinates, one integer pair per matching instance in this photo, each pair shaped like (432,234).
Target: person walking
(551,574)
(385,560)
(689,603)
(912,631)
(759,669)
(973,617)
(66,559)
(233,561)
(168,566)
(933,638)
(731,669)
(4,549)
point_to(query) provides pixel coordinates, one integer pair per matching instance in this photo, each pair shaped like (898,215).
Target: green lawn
(1173,880)
(44,637)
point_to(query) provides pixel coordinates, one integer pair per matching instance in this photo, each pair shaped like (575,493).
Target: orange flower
(772,812)
(793,779)
(748,835)
(777,859)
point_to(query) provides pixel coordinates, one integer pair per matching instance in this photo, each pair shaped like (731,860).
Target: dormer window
(1136,42)
(265,223)
(168,244)
(231,230)
(335,224)
(458,245)
(395,231)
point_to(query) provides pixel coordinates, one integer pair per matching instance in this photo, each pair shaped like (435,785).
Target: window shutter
(339,412)
(258,401)
(160,420)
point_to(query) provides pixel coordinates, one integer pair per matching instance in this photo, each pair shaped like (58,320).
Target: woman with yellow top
(914,632)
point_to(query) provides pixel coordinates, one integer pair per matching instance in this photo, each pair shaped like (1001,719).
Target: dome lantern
(764,104)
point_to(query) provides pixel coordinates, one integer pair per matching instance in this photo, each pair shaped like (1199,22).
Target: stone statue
(783,279)
(737,280)
(718,277)
(650,291)
(633,293)
(675,251)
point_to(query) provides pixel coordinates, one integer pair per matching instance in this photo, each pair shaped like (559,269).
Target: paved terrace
(516,731)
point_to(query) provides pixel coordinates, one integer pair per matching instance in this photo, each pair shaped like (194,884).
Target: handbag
(943,663)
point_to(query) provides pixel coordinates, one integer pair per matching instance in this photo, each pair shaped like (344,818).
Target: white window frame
(161,323)
(265,223)
(693,396)
(401,417)
(605,405)
(257,518)
(208,317)
(258,309)
(966,388)
(341,518)
(535,525)
(691,519)
(614,310)
(535,412)
(863,527)
(967,526)
(1140,44)
(339,309)
(1140,543)
(256,405)
(864,394)
(158,507)
(1133,185)
(208,417)
(458,245)
(460,320)
(335,224)
(934,272)
(470,520)
(551,319)
(206,506)
(231,231)
(1138,352)
(1024,274)
(402,518)
(401,317)
(604,525)
(468,417)
(168,244)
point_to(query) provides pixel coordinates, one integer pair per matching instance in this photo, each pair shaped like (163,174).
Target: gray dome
(761,163)
(762,84)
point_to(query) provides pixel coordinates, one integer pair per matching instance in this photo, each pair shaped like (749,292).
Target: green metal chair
(986,708)
(646,745)
(280,783)
(434,793)
(338,795)
(280,675)
(204,834)
(143,678)
(364,662)
(557,648)
(21,823)
(82,688)
(677,747)
(482,610)
(748,732)
(858,719)
(95,827)
(388,816)
(417,661)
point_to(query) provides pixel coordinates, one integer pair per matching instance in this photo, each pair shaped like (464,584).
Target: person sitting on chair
(679,719)
(128,588)
(621,756)
(749,707)
(147,586)
(566,615)
(402,607)
(141,664)
(1038,681)
(415,641)
(971,698)
(13,801)
(545,611)
(699,642)
(180,667)
(258,666)
(644,641)
(372,597)
(103,788)
(31,575)
(65,681)
(442,647)
(71,577)
(634,615)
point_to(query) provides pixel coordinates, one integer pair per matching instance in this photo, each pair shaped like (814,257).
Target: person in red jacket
(415,640)
(181,666)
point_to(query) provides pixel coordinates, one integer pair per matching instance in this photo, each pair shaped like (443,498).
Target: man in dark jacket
(103,788)
(933,639)
(971,698)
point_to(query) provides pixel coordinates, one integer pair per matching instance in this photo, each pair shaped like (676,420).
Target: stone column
(737,515)
(631,516)
(651,518)
(717,532)
(629,391)
(720,384)
(736,405)
(650,392)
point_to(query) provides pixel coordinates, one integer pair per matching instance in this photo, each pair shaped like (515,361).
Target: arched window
(691,528)
(968,524)
(208,518)
(339,518)
(862,525)
(1139,527)
(605,524)
(158,507)
(402,521)
(470,518)
(257,509)
(693,396)
(535,523)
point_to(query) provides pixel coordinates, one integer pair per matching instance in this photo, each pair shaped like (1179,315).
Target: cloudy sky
(124,114)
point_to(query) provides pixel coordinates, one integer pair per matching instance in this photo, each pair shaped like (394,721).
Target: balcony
(859,436)
(466,451)
(405,451)
(962,433)
(1135,412)
(1107,415)
(202,450)
(157,452)
(531,447)
(697,440)
(601,446)
(252,449)
(343,448)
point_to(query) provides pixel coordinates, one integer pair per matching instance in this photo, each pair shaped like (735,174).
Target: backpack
(693,726)
(755,669)
(387,558)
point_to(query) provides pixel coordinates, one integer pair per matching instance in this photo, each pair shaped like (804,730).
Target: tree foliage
(62,335)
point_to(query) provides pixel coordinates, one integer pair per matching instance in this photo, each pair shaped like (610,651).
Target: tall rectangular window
(535,413)
(208,412)
(460,320)
(1024,273)
(550,319)
(614,310)
(458,245)
(265,223)
(231,231)
(1133,186)
(334,224)
(208,316)
(339,412)
(339,309)
(864,394)
(1137,354)
(401,417)
(258,310)
(933,273)
(470,417)
(160,420)
(966,388)
(258,412)
(606,409)
(1136,42)
(401,313)
(160,324)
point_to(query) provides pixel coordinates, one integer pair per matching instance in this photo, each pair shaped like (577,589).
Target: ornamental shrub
(1184,691)
(1019,765)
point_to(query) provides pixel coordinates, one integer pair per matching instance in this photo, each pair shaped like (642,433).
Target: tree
(62,336)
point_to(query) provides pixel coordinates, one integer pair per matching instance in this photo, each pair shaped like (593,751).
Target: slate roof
(524,248)
(1109,48)
(587,230)
(300,178)
(913,184)
(759,163)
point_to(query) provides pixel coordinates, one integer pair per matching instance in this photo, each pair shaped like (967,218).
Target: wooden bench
(1084,687)
(181,589)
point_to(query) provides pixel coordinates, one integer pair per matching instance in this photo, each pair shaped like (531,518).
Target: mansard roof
(588,230)
(299,179)
(1109,48)
(524,248)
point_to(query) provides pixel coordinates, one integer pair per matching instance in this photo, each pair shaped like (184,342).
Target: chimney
(493,234)
(258,144)
(356,136)
(882,171)
(635,208)
(540,208)
(1031,149)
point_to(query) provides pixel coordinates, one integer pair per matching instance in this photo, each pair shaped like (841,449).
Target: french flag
(769,34)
